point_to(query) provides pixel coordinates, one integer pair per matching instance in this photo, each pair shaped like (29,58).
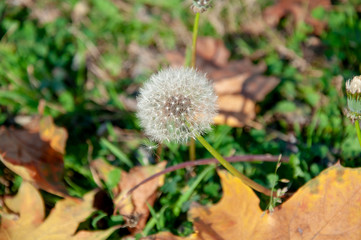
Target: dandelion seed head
(353,91)
(184,100)
(200,6)
(354,85)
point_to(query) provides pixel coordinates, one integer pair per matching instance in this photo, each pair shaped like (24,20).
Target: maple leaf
(36,153)
(133,207)
(239,84)
(327,207)
(62,222)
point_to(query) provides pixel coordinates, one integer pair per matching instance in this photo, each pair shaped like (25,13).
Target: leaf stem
(232,170)
(358,131)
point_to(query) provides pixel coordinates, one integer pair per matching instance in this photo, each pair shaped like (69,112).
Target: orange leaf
(36,154)
(140,197)
(327,207)
(57,136)
(235,110)
(31,212)
(61,223)
(236,216)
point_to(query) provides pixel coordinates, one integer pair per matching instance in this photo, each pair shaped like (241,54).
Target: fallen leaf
(299,9)
(146,193)
(101,171)
(236,216)
(28,204)
(133,207)
(36,153)
(239,84)
(213,50)
(236,110)
(48,131)
(327,207)
(62,222)
(163,236)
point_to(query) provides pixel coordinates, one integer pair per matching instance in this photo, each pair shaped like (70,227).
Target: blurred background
(279,68)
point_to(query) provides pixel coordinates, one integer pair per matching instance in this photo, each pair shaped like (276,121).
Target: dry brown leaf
(61,223)
(299,9)
(239,84)
(327,207)
(146,193)
(133,207)
(36,154)
(213,50)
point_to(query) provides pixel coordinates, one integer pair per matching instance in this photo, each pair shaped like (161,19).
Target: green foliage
(80,70)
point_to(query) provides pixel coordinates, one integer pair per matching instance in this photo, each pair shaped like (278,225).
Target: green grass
(83,69)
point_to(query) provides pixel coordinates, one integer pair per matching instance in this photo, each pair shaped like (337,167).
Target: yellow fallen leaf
(61,223)
(327,207)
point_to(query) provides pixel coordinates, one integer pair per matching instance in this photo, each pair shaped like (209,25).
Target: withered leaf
(62,222)
(133,207)
(299,9)
(36,153)
(213,50)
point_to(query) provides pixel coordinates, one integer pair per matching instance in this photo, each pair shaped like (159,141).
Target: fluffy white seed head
(176,104)
(354,85)
(353,91)
(200,6)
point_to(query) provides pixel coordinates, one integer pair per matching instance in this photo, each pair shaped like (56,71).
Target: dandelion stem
(232,170)
(194,40)
(358,131)
(159,152)
(192,150)
(192,144)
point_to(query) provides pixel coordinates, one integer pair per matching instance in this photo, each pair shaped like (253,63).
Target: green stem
(194,40)
(232,170)
(358,131)
(192,144)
